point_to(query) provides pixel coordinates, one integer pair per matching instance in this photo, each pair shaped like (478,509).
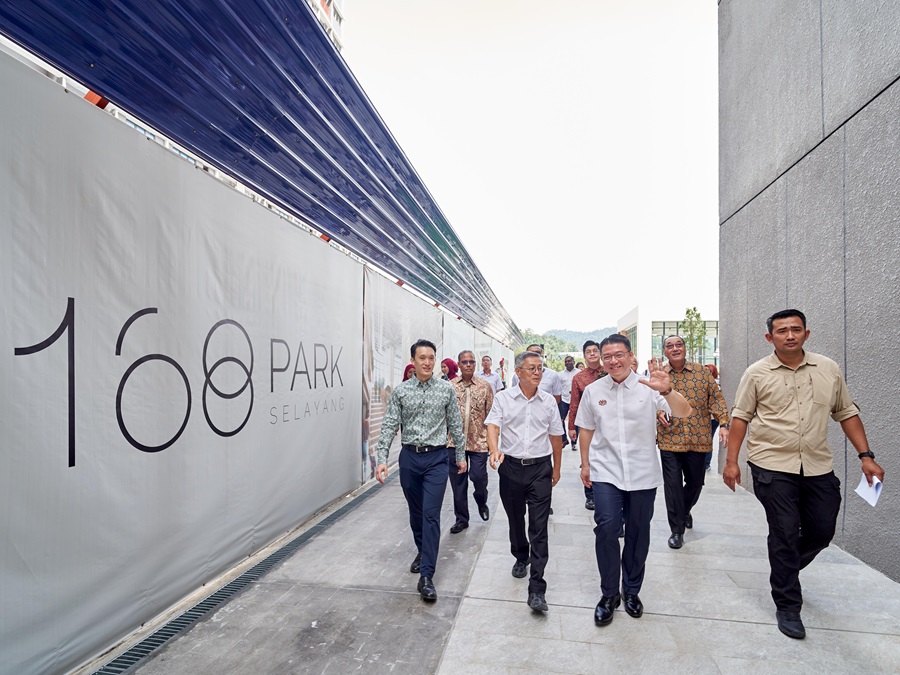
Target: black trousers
(612,505)
(459,483)
(683,476)
(528,486)
(423,477)
(802,513)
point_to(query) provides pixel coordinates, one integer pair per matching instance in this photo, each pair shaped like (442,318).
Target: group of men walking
(635,434)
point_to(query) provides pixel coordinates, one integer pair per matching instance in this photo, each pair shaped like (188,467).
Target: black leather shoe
(536,602)
(676,540)
(589,504)
(484,512)
(458,527)
(790,624)
(519,570)
(633,605)
(575,446)
(689,521)
(426,588)
(414,566)
(603,613)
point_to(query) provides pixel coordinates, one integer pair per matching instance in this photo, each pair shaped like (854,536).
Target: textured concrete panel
(752,286)
(767,259)
(815,245)
(733,274)
(860,54)
(815,253)
(770,96)
(873,316)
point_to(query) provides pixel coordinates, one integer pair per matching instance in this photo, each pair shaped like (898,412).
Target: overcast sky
(572,145)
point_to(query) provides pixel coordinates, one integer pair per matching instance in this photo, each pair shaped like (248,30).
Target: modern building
(809,206)
(647,325)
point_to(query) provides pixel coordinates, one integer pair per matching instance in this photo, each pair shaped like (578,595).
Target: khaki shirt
(788,412)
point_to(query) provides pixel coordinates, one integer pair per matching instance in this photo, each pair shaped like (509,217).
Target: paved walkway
(346,602)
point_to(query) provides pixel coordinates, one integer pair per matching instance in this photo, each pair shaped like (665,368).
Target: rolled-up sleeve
(844,407)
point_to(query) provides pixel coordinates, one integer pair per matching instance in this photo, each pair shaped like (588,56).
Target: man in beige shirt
(789,396)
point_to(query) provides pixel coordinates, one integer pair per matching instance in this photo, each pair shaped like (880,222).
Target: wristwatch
(867,453)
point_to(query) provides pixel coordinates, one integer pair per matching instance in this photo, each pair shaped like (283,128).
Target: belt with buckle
(528,461)
(422,448)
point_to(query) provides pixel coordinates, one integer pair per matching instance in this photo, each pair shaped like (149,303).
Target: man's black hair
(616,339)
(589,343)
(785,314)
(421,343)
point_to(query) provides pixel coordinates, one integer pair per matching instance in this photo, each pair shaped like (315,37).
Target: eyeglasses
(592,352)
(531,369)
(467,363)
(618,356)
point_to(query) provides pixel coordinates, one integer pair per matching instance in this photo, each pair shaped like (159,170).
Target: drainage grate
(131,658)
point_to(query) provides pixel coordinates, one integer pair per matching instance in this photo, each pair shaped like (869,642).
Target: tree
(693,330)
(553,346)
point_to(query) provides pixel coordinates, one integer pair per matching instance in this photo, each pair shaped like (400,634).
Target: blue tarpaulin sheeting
(258,90)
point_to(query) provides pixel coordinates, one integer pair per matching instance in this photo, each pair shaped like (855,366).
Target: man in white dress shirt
(565,380)
(492,379)
(620,464)
(528,420)
(550,381)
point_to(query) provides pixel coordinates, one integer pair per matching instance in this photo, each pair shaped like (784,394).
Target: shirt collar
(629,382)
(774,363)
(517,391)
(688,365)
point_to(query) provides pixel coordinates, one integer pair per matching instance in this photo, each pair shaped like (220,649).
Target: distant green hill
(578,338)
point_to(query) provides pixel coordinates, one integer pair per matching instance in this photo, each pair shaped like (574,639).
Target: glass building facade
(708,352)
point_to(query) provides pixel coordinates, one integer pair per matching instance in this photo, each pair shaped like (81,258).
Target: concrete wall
(809,199)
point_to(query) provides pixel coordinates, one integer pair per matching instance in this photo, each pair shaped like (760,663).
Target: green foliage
(553,347)
(693,330)
(580,337)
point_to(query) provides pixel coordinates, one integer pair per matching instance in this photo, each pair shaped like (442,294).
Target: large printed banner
(394,320)
(181,377)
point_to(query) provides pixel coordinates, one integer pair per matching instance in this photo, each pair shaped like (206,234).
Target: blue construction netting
(257,89)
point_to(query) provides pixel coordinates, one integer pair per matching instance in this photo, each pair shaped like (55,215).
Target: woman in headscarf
(449,369)
(408,371)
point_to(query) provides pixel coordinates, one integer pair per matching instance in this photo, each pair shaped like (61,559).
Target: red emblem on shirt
(602,401)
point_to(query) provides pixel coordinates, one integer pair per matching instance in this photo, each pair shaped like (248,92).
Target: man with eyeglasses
(684,444)
(619,461)
(475,400)
(528,420)
(593,372)
(550,381)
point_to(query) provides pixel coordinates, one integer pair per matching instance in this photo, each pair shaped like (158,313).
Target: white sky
(571,145)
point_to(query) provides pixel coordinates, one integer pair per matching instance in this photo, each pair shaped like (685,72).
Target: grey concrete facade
(809,203)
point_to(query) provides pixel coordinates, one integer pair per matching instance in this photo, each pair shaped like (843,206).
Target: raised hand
(659,378)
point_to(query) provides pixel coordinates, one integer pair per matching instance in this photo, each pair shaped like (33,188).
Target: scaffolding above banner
(259,91)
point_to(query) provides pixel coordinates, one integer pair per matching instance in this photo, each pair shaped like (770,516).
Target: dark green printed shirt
(426,411)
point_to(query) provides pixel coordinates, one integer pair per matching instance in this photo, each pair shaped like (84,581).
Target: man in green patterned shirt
(426,408)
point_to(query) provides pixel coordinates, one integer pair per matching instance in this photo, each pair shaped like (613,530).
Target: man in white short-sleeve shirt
(524,434)
(620,463)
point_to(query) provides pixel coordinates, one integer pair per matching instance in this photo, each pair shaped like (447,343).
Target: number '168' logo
(67,326)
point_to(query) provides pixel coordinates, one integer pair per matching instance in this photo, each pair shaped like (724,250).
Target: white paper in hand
(870,494)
